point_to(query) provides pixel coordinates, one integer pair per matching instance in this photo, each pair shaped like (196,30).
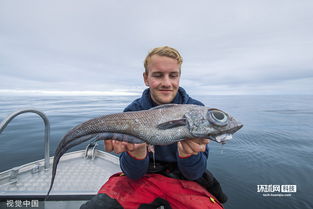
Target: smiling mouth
(165,91)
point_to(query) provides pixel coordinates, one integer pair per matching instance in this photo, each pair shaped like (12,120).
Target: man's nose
(166,81)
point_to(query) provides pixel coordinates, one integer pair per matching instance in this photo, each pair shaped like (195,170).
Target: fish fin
(172,124)
(163,106)
(119,137)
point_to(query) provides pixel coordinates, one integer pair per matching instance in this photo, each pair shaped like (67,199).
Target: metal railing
(7,120)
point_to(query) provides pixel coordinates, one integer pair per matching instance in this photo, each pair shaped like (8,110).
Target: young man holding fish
(162,76)
(185,160)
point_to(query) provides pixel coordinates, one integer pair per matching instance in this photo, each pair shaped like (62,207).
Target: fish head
(212,123)
(224,124)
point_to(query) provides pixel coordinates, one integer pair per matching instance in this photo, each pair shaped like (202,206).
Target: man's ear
(145,78)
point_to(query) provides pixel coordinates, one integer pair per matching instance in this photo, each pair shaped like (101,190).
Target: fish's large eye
(218,117)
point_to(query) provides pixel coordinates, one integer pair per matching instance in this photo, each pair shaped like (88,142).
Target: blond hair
(163,51)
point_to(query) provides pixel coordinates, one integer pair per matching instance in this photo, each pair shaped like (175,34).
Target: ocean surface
(274,148)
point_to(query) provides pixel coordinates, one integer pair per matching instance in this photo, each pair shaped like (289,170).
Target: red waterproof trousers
(180,194)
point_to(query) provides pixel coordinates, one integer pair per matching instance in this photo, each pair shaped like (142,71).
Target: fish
(162,125)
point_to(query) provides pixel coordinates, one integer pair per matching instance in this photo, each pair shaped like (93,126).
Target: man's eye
(174,75)
(157,75)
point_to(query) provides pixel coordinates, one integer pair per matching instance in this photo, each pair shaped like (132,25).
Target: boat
(80,175)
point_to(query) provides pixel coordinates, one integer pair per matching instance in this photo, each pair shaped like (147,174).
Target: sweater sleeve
(194,166)
(133,168)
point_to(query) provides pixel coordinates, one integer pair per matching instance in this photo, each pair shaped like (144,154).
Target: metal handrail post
(7,120)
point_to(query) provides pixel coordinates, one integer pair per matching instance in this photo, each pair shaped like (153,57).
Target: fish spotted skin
(162,125)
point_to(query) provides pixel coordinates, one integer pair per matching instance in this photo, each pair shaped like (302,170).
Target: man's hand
(189,147)
(138,151)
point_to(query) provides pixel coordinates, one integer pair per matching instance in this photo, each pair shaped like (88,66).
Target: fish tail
(63,149)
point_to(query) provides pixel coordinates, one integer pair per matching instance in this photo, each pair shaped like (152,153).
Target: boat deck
(76,176)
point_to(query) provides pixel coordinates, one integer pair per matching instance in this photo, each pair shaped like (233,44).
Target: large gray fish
(162,125)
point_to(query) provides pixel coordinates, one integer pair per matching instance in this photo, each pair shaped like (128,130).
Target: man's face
(162,78)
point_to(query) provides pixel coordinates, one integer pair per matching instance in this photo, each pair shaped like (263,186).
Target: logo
(274,190)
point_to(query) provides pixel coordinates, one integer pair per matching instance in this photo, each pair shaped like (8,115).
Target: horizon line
(69,93)
(115,92)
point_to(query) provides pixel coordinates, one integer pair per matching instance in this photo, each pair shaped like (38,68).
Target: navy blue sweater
(192,167)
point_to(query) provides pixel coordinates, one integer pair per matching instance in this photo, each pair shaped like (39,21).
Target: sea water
(267,165)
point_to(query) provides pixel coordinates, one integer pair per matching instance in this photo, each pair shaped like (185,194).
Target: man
(186,159)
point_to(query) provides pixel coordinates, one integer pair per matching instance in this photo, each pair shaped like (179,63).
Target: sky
(96,47)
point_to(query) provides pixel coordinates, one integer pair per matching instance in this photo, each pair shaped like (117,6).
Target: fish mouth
(223,138)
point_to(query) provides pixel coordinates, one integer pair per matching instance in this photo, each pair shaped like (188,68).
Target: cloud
(233,47)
